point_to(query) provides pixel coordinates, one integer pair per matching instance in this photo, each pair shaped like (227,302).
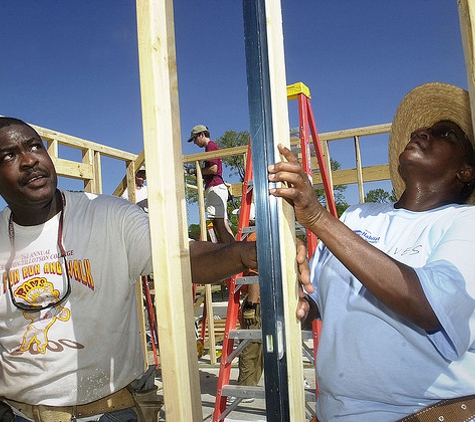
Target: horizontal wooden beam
(351,133)
(339,177)
(73,169)
(82,144)
(328,136)
(349,176)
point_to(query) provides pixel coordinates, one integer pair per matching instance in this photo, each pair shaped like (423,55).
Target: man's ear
(466,174)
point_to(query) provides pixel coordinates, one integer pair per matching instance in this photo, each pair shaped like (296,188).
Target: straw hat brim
(422,107)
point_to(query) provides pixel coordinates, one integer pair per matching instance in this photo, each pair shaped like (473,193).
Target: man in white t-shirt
(69,338)
(394,284)
(141,194)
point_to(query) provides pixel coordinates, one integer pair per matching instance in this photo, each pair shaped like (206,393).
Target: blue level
(268,246)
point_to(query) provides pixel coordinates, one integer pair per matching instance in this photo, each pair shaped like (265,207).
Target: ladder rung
(307,335)
(308,353)
(253,279)
(310,395)
(245,334)
(299,229)
(258,392)
(244,391)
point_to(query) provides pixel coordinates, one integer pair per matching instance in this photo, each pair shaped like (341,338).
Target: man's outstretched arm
(213,262)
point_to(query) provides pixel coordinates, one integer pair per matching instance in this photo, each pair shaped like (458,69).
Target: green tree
(380,196)
(232,139)
(191,191)
(194,231)
(236,166)
(338,192)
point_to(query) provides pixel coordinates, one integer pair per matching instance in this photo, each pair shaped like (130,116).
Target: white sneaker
(231,400)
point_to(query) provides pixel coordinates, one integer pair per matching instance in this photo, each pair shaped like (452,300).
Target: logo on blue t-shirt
(368,236)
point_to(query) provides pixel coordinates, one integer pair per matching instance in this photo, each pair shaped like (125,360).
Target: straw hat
(422,107)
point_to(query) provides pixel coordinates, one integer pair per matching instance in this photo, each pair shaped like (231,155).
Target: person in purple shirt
(216,191)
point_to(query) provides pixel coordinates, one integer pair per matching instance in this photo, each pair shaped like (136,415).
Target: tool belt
(119,400)
(460,409)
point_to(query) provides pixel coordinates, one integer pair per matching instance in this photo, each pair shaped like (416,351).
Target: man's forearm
(213,262)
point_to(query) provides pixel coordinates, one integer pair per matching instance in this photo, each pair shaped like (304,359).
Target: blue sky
(72,66)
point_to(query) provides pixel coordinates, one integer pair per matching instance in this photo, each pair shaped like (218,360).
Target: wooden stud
(467,21)
(167,210)
(359,168)
(208,296)
(281,129)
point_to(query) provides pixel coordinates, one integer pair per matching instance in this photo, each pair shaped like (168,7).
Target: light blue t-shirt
(374,365)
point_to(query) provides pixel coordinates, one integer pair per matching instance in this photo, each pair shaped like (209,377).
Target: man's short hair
(10,121)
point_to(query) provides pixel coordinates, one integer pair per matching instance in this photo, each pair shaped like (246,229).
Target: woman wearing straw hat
(394,284)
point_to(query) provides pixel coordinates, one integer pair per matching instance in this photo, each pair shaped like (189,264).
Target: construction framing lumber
(467,21)
(167,210)
(208,303)
(286,221)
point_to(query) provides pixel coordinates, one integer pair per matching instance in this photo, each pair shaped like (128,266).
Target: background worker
(141,194)
(216,192)
(70,347)
(394,283)
(147,380)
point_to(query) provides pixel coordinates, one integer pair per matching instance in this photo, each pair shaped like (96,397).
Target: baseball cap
(197,129)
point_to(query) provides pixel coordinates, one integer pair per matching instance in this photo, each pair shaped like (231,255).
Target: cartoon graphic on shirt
(37,291)
(37,331)
(39,281)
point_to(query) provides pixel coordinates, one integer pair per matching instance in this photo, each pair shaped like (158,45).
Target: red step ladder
(300,92)
(307,122)
(228,352)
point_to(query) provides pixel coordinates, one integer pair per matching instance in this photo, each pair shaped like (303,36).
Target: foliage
(191,193)
(233,218)
(341,207)
(380,196)
(338,192)
(232,139)
(194,231)
(236,166)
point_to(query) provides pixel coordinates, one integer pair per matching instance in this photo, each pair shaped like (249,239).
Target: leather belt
(460,409)
(119,400)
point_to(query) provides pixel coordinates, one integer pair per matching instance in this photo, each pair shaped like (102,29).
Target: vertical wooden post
(208,296)
(467,29)
(167,210)
(359,167)
(131,190)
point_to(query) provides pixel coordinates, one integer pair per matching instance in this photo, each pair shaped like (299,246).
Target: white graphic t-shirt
(88,346)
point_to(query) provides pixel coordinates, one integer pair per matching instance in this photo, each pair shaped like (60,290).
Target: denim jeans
(125,415)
